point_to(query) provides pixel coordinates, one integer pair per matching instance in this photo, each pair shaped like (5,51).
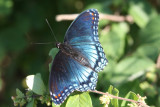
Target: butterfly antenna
(41,43)
(51,30)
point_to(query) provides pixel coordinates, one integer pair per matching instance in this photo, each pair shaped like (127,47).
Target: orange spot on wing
(92,18)
(55,97)
(59,95)
(92,14)
(61,91)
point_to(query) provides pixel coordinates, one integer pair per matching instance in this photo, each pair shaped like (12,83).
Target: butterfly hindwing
(94,54)
(68,75)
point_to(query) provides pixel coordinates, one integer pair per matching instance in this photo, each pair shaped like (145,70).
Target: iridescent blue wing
(68,75)
(83,35)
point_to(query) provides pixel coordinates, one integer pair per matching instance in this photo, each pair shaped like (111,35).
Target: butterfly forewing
(85,26)
(83,35)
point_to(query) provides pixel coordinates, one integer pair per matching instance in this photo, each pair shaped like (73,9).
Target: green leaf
(114,41)
(115,92)
(17,41)
(5,7)
(101,6)
(53,105)
(150,39)
(151,33)
(62,105)
(148,50)
(110,89)
(139,15)
(52,53)
(130,95)
(35,83)
(2,52)
(131,68)
(103,23)
(128,86)
(31,104)
(79,100)
(148,88)
(19,93)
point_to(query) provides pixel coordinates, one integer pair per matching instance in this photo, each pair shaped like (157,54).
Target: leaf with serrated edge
(19,93)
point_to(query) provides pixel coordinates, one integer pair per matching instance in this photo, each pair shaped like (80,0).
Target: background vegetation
(131,48)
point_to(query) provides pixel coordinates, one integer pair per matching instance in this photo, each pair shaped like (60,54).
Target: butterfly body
(80,58)
(73,53)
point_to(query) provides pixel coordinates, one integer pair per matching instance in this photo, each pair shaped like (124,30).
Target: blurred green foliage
(131,48)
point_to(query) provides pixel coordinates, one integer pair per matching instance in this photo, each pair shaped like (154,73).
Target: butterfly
(80,58)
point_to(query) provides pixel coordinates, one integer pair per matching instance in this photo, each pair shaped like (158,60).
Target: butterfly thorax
(73,53)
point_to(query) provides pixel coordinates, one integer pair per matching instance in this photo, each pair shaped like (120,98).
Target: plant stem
(140,104)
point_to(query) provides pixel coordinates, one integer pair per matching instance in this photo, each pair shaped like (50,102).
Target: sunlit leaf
(114,92)
(139,15)
(149,89)
(114,41)
(151,33)
(35,83)
(79,100)
(131,68)
(53,105)
(148,50)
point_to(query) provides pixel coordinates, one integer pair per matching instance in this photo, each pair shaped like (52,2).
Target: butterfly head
(58,45)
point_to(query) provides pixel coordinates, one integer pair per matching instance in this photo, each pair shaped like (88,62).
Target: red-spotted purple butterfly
(80,58)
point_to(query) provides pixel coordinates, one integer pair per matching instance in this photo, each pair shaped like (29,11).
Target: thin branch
(114,18)
(120,98)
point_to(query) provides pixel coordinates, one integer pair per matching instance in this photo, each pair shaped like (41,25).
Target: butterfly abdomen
(74,53)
